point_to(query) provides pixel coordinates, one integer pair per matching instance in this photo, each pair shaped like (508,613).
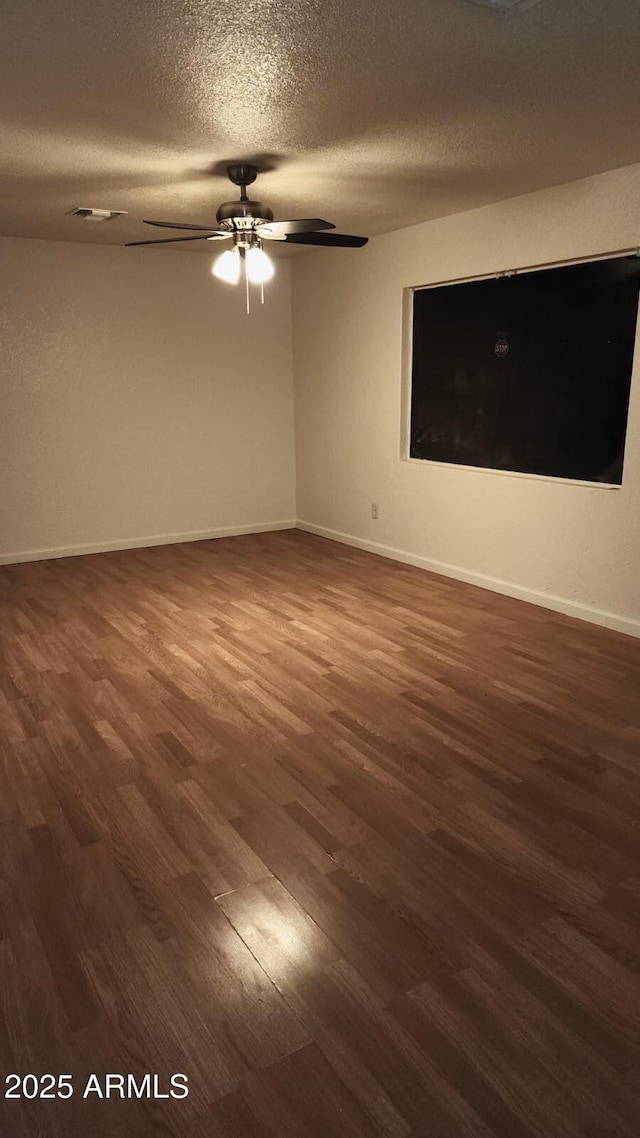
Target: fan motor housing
(242,214)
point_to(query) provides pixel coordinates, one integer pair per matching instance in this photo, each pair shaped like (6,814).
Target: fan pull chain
(246,281)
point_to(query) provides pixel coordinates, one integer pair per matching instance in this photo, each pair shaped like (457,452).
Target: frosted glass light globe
(226,267)
(259,266)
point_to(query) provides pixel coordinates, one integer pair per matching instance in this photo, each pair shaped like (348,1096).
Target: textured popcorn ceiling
(375,115)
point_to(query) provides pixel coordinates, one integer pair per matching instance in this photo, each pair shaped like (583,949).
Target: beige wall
(137,400)
(139,403)
(576,548)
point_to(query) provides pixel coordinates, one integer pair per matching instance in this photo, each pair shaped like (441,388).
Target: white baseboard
(141,542)
(521,592)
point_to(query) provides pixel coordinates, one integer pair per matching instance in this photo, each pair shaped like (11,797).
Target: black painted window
(527,373)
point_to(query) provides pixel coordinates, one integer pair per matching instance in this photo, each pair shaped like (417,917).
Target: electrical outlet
(374,511)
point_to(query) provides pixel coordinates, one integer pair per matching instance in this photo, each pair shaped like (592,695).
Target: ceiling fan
(248,223)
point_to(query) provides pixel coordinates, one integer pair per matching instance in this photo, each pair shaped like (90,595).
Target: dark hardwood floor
(352,846)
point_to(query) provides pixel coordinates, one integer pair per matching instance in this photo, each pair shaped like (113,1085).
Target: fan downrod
(243,214)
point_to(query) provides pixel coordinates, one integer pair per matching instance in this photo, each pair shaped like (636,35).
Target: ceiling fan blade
(344,240)
(178,225)
(172,240)
(278,230)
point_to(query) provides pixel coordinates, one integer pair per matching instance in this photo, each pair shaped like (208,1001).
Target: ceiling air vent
(504,7)
(88,214)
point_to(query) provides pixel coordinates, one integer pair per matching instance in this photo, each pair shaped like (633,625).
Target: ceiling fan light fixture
(247,223)
(226,267)
(259,266)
